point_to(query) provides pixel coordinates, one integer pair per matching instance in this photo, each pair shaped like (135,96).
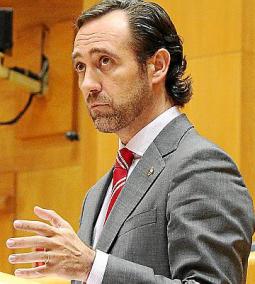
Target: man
(174,209)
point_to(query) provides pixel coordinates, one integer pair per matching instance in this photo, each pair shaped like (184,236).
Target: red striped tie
(123,162)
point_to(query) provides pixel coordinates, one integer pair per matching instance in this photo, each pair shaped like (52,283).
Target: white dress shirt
(138,145)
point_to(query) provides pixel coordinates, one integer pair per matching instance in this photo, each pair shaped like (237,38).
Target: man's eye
(105,61)
(80,67)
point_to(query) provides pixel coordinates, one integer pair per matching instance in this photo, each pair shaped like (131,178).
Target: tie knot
(125,158)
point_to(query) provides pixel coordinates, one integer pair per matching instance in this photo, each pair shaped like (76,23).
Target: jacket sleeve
(210,225)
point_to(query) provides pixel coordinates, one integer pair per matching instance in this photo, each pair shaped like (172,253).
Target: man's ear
(158,65)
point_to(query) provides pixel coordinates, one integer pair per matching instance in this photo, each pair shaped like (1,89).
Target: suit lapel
(170,137)
(92,208)
(135,188)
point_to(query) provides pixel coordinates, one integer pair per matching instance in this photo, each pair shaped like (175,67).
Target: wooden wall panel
(7,111)
(48,117)
(248,121)
(248,98)
(26,52)
(215,107)
(88,142)
(30,13)
(48,152)
(16,154)
(52,114)
(7,215)
(88,3)
(107,150)
(248,35)
(47,164)
(207,27)
(59,189)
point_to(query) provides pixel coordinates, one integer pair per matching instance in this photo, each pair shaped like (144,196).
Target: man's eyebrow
(76,54)
(96,50)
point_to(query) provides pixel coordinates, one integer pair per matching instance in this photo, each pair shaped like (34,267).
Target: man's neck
(140,122)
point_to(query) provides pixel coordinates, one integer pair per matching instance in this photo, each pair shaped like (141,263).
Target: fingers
(52,217)
(35,272)
(54,237)
(34,226)
(30,242)
(31,257)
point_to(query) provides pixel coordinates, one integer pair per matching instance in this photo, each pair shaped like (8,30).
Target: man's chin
(104,126)
(105,130)
(107,125)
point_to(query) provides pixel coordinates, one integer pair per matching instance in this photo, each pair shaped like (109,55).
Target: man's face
(115,89)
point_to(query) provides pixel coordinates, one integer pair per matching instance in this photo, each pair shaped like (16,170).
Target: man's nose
(90,83)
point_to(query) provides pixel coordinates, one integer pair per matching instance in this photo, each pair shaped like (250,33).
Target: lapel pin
(150,172)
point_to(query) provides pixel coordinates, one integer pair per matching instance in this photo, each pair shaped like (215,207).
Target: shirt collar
(142,140)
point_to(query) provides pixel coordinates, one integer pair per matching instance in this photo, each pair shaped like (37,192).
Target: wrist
(90,258)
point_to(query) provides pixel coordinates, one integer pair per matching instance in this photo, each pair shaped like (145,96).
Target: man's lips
(96,105)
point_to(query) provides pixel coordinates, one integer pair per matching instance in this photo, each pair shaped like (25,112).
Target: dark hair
(151,29)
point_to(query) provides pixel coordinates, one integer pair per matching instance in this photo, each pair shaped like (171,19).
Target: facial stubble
(122,115)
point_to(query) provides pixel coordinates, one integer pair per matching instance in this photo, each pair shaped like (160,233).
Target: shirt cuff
(98,268)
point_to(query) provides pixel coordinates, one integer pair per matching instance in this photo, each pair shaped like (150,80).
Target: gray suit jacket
(190,221)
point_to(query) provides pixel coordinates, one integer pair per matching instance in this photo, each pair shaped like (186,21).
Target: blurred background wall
(40,166)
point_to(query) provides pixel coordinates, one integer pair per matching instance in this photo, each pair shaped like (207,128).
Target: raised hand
(64,255)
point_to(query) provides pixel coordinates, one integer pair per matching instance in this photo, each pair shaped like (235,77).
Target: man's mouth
(98,105)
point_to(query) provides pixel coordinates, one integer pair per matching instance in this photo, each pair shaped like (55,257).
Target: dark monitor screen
(6,16)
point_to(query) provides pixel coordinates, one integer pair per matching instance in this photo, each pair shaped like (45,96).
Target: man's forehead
(110,30)
(93,42)
(113,24)
(86,37)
